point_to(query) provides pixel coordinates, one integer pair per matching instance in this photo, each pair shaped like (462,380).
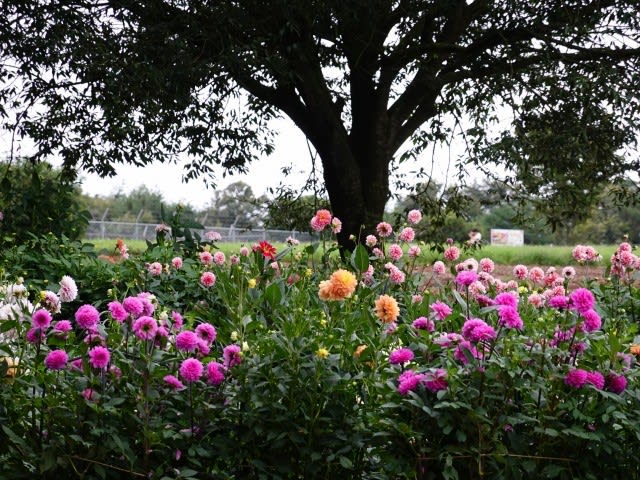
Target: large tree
(102,82)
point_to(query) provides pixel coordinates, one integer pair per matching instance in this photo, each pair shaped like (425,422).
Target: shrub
(36,199)
(188,363)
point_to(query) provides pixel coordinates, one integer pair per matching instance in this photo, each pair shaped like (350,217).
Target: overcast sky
(290,150)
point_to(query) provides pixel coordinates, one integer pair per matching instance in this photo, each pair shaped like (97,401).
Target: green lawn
(502,255)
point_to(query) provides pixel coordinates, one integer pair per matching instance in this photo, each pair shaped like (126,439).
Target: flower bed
(183,363)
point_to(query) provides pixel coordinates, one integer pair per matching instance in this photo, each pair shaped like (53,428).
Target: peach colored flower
(359,350)
(340,285)
(387,309)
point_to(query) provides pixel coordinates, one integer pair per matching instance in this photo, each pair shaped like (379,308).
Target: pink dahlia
(582,299)
(232,355)
(215,373)
(423,323)
(407,234)
(41,319)
(56,360)
(173,383)
(87,316)
(440,310)
(400,355)
(384,229)
(576,378)
(414,217)
(117,311)
(187,341)
(206,332)
(191,370)
(145,328)
(208,279)
(99,357)
(133,305)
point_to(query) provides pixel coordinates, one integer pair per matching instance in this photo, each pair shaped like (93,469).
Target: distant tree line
(36,198)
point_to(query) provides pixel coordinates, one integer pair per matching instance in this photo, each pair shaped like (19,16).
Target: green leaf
(272,294)
(360,258)
(346,463)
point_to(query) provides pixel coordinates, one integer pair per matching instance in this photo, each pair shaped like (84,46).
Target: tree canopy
(369,83)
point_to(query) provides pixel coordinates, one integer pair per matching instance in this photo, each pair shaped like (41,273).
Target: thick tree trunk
(358,188)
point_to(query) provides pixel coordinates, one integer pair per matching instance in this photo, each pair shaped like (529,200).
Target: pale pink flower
(568,272)
(205,258)
(486,265)
(624,247)
(536,275)
(68,289)
(407,234)
(477,288)
(396,276)
(234,259)
(336,225)
(520,271)
(155,268)
(378,253)
(512,285)
(176,262)
(316,226)
(439,268)
(417,298)
(384,229)
(579,253)
(486,278)
(395,252)
(244,251)
(452,253)
(50,301)
(371,241)
(470,264)
(219,258)
(292,241)
(414,251)
(208,279)
(536,300)
(414,217)
(212,236)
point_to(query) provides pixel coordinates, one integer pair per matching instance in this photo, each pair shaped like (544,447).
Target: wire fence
(99,229)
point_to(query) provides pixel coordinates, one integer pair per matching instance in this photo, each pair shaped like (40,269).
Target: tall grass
(542,255)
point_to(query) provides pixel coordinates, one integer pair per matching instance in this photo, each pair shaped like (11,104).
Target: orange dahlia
(387,309)
(340,285)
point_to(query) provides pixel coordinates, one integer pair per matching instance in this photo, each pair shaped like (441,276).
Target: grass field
(528,255)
